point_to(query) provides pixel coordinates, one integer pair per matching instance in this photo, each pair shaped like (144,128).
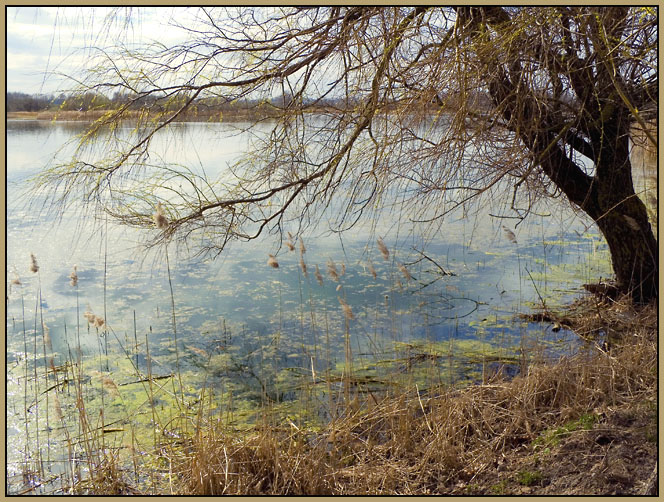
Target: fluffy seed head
(291,246)
(272,261)
(348,312)
(302,248)
(332,271)
(318,275)
(303,266)
(47,336)
(510,235)
(89,316)
(383,249)
(34,268)
(372,270)
(405,272)
(159,218)
(73,277)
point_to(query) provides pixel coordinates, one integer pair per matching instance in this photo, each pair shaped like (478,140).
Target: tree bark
(608,196)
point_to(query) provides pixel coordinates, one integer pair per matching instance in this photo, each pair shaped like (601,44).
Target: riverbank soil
(584,425)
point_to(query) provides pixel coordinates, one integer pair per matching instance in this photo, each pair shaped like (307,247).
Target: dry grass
(414,444)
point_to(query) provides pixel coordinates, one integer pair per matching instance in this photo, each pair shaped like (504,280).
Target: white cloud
(44,40)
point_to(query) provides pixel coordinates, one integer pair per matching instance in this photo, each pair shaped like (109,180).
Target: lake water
(253,334)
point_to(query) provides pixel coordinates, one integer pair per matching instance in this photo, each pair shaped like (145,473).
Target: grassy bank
(586,425)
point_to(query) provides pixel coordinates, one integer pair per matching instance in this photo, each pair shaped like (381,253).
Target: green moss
(552,437)
(528,478)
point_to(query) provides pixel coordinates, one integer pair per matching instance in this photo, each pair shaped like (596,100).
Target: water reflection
(255,333)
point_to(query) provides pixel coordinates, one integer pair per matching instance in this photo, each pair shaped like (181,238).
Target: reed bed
(377,422)
(415,444)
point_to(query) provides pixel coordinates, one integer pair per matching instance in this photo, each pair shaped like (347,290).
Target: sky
(45,41)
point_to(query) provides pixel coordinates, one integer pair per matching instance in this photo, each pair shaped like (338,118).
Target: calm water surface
(257,331)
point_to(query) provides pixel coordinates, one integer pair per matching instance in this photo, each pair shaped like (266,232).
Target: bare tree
(439,104)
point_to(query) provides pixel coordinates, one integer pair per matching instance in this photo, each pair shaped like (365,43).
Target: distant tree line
(22,102)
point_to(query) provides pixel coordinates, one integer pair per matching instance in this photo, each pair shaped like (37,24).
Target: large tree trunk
(600,132)
(609,199)
(633,251)
(622,217)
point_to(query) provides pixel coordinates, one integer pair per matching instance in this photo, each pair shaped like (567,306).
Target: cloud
(42,40)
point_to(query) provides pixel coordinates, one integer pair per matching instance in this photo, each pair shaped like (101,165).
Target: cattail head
(47,336)
(510,235)
(383,249)
(272,261)
(89,316)
(14,282)
(34,268)
(348,312)
(372,270)
(109,385)
(57,406)
(332,271)
(318,275)
(159,217)
(73,277)
(99,322)
(405,272)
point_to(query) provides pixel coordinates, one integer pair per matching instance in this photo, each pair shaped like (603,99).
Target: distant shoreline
(92,115)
